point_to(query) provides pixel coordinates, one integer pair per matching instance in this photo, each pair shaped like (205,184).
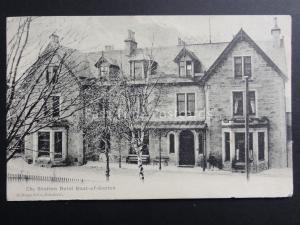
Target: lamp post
(159,150)
(247,128)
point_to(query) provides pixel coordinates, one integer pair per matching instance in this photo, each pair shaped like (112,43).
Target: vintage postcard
(148,107)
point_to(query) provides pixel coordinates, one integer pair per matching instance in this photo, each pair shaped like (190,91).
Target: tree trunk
(120,156)
(140,164)
(107,163)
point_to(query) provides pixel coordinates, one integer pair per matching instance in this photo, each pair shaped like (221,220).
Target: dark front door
(186,148)
(240,147)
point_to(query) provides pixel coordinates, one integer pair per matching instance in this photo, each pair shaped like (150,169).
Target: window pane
(251,103)
(55,106)
(43,143)
(57,144)
(240,147)
(247,66)
(145,148)
(191,104)
(180,104)
(172,143)
(45,109)
(47,76)
(182,68)
(55,74)
(103,70)
(138,69)
(201,143)
(227,146)
(251,146)
(237,67)
(261,145)
(237,103)
(188,68)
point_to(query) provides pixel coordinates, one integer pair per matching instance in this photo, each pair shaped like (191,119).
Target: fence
(27,177)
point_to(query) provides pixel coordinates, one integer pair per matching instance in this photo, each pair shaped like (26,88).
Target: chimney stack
(130,43)
(181,42)
(275,32)
(54,40)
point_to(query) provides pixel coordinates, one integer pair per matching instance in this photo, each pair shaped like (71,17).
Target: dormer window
(142,68)
(103,70)
(188,63)
(137,69)
(107,67)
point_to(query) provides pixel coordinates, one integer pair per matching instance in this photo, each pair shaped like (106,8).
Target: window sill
(186,116)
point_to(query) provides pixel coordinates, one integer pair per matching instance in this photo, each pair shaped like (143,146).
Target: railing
(27,177)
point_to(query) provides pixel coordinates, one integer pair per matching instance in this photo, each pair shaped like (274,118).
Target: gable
(242,36)
(184,53)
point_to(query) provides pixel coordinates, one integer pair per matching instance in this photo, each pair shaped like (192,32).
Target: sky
(93,33)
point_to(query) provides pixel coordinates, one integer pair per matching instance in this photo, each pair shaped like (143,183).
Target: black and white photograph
(148,107)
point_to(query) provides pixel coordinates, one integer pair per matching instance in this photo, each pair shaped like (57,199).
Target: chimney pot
(54,38)
(275,32)
(109,48)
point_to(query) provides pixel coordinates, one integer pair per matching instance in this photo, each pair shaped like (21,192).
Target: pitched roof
(209,54)
(242,36)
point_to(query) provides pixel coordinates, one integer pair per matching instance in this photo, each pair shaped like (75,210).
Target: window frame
(226,159)
(244,102)
(232,105)
(61,143)
(171,146)
(255,102)
(191,69)
(38,144)
(258,146)
(201,143)
(185,104)
(103,73)
(59,105)
(133,68)
(243,67)
(177,105)
(51,132)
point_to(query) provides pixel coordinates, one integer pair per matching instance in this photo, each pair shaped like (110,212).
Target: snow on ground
(124,183)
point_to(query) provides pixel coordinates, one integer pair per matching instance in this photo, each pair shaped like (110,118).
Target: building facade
(202,113)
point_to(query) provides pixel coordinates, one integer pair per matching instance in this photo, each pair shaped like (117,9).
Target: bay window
(43,144)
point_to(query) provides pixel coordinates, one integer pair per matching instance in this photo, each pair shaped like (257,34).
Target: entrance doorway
(240,147)
(186,148)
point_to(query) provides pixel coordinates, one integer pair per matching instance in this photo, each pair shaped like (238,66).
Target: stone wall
(269,87)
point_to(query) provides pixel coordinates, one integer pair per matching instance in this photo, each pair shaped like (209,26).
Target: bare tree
(140,98)
(101,117)
(47,93)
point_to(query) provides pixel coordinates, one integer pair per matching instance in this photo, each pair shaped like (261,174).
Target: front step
(238,167)
(186,166)
(46,162)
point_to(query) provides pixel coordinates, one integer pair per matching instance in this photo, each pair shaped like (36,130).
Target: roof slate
(207,53)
